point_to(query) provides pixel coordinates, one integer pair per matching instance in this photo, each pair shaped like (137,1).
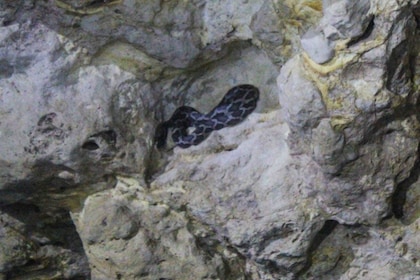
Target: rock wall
(330,154)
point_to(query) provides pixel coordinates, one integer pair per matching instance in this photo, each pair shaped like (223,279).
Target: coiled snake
(235,106)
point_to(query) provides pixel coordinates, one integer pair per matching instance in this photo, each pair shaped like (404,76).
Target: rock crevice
(319,182)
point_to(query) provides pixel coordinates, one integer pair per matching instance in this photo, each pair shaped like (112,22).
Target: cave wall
(320,182)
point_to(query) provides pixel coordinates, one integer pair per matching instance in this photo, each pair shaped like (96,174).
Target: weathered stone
(342,20)
(321,185)
(15,250)
(309,110)
(345,19)
(130,236)
(346,143)
(240,192)
(346,253)
(57,136)
(32,244)
(397,249)
(319,48)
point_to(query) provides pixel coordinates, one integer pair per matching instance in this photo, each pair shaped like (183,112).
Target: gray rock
(12,239)
(396,248)
(130,236)
(319,48)
(238,193)
(345,19)
(301,100)
(341,19)
(331,146)
(29,242)
(58,135)
(345,143)
(317,182)
(302,105)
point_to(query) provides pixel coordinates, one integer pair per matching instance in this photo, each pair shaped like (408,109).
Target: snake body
(235,106)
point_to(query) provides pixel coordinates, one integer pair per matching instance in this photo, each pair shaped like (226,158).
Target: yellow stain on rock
(88,9)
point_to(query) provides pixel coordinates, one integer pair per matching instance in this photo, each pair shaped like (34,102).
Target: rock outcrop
(320,182)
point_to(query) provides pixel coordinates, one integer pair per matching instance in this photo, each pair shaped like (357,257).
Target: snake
(190,127)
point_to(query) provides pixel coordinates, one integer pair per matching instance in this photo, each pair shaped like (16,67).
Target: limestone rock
(395,254)
(346,253)
(345,142)
(239,192)
(345,19)
(46,132)
(32,244)
(59,142)
(320,182)
(130,236)
(319,48)
(342,20)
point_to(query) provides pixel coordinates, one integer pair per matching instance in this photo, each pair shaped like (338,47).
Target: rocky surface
(320,182)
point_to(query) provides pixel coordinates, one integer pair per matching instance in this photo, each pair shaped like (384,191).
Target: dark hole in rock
(323,233)
(96,3)
(365,35)
(90,145)
(7,22)
(326,230)
(399,198)
(47,119)
(416,12)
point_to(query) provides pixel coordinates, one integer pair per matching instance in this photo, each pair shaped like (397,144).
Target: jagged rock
(12,239)
(346,253)
(345,19)
(131,236)
(395,254)
(313,186)
(346,141)
(319,48)
(309,111)
(32,244)
(342,20)
(58,135)
(240,192)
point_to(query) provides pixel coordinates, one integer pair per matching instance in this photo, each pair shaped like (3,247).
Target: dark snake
(235,106)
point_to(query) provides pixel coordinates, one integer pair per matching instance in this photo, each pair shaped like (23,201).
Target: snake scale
(235,106)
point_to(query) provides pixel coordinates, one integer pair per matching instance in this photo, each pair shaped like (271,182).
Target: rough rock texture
(116,226)
(320,182)
(342,20)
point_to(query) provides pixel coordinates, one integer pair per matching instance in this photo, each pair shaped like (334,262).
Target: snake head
(161,133)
